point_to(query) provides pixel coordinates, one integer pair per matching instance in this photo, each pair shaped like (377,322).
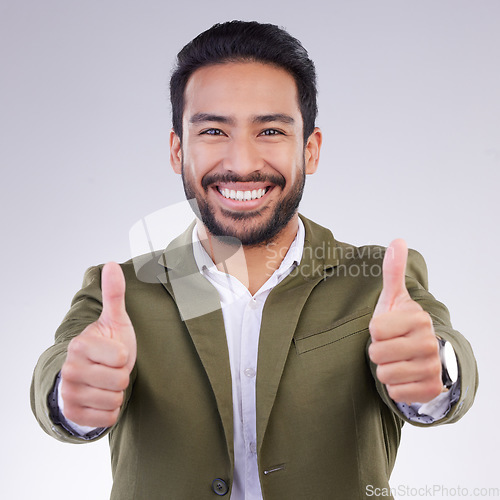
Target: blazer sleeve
(417,285)
(85,308)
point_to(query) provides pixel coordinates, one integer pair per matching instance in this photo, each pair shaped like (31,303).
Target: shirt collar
(292,257)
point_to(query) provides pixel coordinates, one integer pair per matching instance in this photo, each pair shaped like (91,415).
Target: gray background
(410,111)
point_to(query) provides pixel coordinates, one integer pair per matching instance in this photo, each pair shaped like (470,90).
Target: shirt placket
(248,371)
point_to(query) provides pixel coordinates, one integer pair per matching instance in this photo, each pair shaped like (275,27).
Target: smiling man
(243,158)
(249,156)
(295,382)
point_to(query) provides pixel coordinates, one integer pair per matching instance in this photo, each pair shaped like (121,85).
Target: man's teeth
(232,194)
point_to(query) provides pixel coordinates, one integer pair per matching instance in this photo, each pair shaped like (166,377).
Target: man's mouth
(234,194)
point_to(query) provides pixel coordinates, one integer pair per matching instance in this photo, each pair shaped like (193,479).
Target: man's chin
(244,215)
(254,233)
(246,238)
(257,234)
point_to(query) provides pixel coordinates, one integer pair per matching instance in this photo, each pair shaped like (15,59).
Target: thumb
(393,269)
(113,294)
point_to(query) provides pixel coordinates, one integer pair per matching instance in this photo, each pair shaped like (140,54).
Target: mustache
(227,177)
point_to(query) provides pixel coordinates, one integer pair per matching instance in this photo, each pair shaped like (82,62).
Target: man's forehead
(251,68)
(260,89)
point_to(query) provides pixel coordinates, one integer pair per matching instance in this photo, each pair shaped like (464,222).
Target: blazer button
(220,487)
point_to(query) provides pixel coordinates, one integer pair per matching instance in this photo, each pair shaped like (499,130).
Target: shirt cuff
(434,410)
(56,407)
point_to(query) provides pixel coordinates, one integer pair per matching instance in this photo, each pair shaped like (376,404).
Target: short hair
(236,41)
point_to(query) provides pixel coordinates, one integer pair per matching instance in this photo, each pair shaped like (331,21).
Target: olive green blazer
(326,428)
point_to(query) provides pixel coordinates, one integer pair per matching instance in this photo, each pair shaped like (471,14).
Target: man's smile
(242,195)
(233,194)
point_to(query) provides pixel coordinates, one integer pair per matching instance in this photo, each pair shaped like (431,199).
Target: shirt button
(253,447)
(219,487)
(249,372)
(253,303)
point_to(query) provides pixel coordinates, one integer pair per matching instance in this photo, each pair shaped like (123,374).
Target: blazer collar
(200,309)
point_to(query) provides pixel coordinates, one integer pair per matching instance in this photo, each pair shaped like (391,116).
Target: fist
(404,346)
(100,359)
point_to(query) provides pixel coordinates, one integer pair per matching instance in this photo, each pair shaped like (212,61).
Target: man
(257,357)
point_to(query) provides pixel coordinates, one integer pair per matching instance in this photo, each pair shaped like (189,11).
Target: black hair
(251,41)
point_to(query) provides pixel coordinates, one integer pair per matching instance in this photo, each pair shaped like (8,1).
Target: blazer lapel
(199,306)
(281,315)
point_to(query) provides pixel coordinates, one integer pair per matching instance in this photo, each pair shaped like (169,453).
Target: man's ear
(175,152)
(312,150)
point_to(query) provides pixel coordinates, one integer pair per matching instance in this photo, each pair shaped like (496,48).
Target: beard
(252,228)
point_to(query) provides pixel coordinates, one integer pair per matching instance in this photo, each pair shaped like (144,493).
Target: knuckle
(76,345)
(430,347)
(382,374)
(435,370)
(79,346)
(65,370)
(393,392)
(123,380)
(373,352)
(415,306)
(374,327)
(424,319)
(117,400)
(67,392)
(71,395)
(121,355)
(436,388)
(69,373)
(110,418)
(426,348)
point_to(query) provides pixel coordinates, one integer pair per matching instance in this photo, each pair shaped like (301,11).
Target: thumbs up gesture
(100,359)
(404,345)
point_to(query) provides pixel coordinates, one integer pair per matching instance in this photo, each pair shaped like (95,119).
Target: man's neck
(251,265)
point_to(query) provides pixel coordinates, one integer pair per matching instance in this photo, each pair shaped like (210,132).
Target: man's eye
(271,131)
(212,131)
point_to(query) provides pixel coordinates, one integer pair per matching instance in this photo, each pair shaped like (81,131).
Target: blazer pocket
(339,330)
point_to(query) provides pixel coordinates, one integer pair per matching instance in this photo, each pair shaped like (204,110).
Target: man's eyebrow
(210,117)
(276,117)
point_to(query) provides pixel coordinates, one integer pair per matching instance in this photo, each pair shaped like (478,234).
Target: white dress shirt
(242,314)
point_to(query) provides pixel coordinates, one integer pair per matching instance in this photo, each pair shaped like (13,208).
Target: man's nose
(243,156)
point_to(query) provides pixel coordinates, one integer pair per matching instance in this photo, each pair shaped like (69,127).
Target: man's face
(242,155)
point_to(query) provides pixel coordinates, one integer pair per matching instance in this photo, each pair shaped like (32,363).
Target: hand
(404,345)
(100,359)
